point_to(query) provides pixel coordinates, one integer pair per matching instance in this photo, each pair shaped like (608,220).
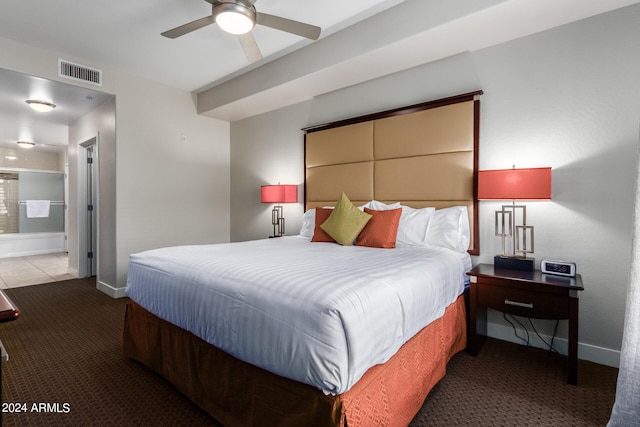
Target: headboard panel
(422,155)
(347,144)
(325,183)
(436,177)
(445,129)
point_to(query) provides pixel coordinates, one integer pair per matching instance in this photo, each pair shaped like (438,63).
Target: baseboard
(592,353)
(110,290)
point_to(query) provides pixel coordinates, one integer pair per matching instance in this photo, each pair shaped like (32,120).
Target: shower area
(32,213)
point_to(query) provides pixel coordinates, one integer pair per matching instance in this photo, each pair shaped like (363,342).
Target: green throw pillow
(345,222)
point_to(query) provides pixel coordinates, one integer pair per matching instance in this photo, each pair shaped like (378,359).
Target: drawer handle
(519,304)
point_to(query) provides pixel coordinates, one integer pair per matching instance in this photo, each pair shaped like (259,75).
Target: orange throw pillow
(381,230)
(319,235)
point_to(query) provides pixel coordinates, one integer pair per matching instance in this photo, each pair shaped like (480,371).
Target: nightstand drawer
(522,302)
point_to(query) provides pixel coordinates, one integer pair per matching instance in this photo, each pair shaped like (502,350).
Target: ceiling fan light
(41,106)
(26,144)
(234,18)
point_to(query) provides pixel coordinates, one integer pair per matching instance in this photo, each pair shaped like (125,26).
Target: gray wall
(266,149)
(567,98)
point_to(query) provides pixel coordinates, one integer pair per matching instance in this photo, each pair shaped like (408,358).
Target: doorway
(72,124)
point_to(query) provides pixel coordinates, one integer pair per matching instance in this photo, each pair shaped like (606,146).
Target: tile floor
(33,270)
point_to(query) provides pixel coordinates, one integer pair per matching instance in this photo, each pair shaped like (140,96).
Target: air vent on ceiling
(79,72)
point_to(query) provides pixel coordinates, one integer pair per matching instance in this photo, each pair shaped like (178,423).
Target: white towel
(38,208)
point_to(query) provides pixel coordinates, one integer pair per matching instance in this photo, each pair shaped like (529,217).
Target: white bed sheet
(318,313)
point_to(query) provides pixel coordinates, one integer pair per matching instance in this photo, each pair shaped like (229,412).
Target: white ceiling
(360,40)
(410,34)
(125,34)
(18,122)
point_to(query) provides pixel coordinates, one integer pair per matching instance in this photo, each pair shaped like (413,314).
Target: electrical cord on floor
(515,331)
(549,344)
(526,341)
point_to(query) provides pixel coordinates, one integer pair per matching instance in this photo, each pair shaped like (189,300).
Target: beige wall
(164,191)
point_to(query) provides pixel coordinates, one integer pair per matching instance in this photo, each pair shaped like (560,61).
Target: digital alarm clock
(561,268)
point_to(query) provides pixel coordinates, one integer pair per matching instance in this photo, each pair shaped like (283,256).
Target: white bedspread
(318,313)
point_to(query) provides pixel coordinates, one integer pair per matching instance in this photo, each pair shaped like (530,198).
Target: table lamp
(278,194)
(514,184)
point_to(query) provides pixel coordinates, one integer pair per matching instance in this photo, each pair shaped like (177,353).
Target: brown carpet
(510,385)
(64,351)
(65,348)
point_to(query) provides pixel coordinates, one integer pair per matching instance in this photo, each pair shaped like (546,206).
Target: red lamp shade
(279,194)
(515,184)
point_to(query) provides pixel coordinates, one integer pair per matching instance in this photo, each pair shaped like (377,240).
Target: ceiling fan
(239,17)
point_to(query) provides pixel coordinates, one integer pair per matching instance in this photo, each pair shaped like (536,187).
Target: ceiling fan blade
(295,27)
(250,47)
(191,26)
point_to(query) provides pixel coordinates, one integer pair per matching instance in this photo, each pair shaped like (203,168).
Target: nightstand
(523,293)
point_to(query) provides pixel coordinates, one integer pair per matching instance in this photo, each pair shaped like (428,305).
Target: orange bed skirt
(236,393)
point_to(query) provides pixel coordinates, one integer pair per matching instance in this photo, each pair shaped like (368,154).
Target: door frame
(85,267)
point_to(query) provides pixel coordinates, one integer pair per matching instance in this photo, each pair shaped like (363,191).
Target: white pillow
(379,206)
(413,226)
(308,223)
(449,228)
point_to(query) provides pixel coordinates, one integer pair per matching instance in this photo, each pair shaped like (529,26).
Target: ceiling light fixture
(234,18)
(26,144)
(41,106)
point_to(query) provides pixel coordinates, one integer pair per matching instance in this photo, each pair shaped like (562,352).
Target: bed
(301,331)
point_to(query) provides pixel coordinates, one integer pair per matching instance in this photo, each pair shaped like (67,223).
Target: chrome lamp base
(277,220)
(521,236)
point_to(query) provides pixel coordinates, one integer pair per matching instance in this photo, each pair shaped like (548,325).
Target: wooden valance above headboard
(421,155)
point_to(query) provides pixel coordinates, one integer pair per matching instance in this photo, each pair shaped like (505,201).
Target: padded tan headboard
(422,155)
